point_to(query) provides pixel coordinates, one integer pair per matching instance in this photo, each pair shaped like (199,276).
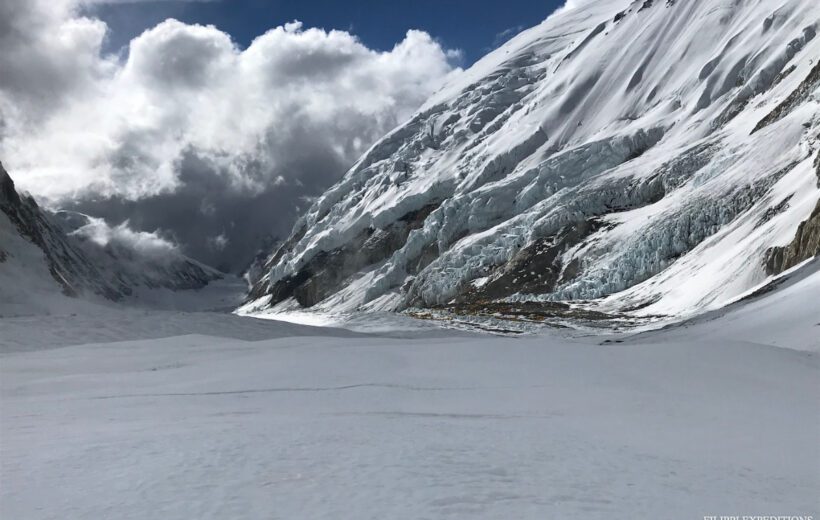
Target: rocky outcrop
(806,245)
(817,166)
(67,264)
(798,96)
(536,269)
(324,273)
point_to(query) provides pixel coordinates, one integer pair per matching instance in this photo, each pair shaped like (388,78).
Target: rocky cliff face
(32,238)
(66,263)
(649,156)
(806,243)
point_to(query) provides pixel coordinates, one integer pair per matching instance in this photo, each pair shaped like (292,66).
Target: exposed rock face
(324,273)
(67,264)
(536,268)
(799,96)
(81,266)
(817,166)
(605,154)
(806,245)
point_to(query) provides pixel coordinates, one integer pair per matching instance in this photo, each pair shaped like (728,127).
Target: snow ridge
(43,257)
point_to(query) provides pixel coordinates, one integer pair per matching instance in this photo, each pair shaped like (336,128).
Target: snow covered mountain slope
(44,256)
(658,157)
(784,313)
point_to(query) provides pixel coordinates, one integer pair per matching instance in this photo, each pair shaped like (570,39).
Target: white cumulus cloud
(123,237)
(188,133)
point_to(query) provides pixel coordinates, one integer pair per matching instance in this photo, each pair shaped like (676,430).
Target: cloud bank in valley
(215,146)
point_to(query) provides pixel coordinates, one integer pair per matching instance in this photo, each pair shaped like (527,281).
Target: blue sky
(474,26)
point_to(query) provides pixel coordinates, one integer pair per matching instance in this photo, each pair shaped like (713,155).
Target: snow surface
(784,314)
(275,420)
(644,121)
(26,285)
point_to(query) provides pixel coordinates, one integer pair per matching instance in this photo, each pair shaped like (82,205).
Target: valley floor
(286,421)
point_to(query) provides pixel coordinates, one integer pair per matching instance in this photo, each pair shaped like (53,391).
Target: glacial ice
(643,122)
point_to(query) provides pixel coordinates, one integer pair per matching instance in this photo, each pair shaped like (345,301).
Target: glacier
(643,158)
(214,416)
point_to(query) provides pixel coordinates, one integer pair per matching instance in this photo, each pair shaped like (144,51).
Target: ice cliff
(655,157)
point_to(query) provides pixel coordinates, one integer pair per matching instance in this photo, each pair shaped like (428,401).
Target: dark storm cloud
(211,219)
(189,136)
(43,62)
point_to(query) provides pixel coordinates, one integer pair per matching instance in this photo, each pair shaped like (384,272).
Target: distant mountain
(42,254)
(646,158)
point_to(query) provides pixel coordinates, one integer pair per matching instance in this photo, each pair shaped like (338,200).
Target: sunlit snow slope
(651,155)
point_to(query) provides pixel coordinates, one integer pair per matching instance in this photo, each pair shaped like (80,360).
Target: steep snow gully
(658,158)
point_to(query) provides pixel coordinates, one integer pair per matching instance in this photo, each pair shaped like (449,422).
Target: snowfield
(294,422)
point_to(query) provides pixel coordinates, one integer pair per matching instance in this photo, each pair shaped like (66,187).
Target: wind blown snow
(99,232)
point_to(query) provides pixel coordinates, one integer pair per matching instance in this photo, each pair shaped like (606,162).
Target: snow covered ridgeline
(654,155)
(45,256)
